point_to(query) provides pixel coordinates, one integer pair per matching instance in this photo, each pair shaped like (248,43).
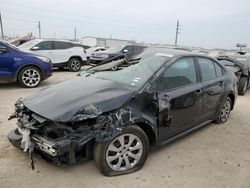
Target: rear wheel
(224,111)
(126,153)
(29,77)
(74,64)
(242,85)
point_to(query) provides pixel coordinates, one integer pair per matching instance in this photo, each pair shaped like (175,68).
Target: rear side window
(207,69)
(218,69)
(46,45)
(58,45)
(227,62)
(179,74)
(129,48)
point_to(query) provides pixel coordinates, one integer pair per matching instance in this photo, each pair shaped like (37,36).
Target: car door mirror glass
(3,49)
(35,48)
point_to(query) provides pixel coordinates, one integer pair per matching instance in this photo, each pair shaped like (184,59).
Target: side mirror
(125,51)
(3,49)
(35,48)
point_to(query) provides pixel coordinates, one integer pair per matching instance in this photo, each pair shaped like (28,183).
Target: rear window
(207,69)
(218,69)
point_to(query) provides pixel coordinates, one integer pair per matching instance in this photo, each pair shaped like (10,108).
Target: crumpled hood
(63,101)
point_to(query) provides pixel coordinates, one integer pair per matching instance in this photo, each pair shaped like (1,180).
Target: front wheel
(224,111)
(125,154)
(74,64)
(29,77)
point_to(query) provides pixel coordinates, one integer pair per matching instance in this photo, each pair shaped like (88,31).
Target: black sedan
(117,116)
(239,65)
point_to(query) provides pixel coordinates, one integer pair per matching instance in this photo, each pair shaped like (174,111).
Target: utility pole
(1,25)
(39,28)
(75,33)
(178,27)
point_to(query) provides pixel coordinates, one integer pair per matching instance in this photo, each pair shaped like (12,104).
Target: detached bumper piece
(59,151)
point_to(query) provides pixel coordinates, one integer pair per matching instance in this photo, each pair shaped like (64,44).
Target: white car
(91,50)
(61,53)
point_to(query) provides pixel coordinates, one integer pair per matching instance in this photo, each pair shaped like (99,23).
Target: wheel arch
(232,97)
(28,65)
(149,131)
(77,57)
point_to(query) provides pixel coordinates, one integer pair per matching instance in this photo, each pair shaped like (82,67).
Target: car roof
(41,40)
(167,52)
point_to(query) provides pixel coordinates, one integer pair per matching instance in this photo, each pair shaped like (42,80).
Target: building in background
(104,42)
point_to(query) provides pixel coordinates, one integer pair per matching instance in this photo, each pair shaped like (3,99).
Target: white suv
(61,53)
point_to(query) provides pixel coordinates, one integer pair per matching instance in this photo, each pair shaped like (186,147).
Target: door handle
(198,91)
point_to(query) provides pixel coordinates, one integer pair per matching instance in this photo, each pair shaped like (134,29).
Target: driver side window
(46,45)
(179,74)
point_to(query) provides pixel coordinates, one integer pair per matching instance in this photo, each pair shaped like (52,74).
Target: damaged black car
(239,65)
(116,117)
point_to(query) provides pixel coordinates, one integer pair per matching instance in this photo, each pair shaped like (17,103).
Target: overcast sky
(206,23)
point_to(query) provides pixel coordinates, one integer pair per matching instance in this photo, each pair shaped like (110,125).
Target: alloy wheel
(225,111)
(31,77)
(124,152)
(75,65)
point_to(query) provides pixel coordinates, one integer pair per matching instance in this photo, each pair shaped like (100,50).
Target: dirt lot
(215,156)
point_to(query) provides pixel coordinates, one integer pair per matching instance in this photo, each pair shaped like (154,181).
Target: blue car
(27,69)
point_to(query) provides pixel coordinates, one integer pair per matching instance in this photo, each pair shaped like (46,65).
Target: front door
(7,61)
(45,49)
(179,98)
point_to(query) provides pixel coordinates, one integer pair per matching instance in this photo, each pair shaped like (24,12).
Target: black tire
(101,151)
(225,108)
(242,85)
(31,81)
(74,65)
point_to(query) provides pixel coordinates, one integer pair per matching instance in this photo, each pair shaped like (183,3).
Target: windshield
(134,75)
(114,49)
(9,45)
(28,44)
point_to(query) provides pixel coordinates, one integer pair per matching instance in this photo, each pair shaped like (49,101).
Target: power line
(63,25)
(78,16)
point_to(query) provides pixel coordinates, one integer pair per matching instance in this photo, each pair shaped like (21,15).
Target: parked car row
(63,54)
(27,69)
(117,111)
(24,61)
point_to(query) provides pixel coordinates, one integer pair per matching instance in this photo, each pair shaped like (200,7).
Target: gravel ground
(214,156)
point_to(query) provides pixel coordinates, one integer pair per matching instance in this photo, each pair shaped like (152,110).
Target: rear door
(179,98)
(213,85)
(62,51)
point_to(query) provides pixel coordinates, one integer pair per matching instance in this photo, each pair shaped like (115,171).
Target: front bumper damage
(64,143)
(60,151)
